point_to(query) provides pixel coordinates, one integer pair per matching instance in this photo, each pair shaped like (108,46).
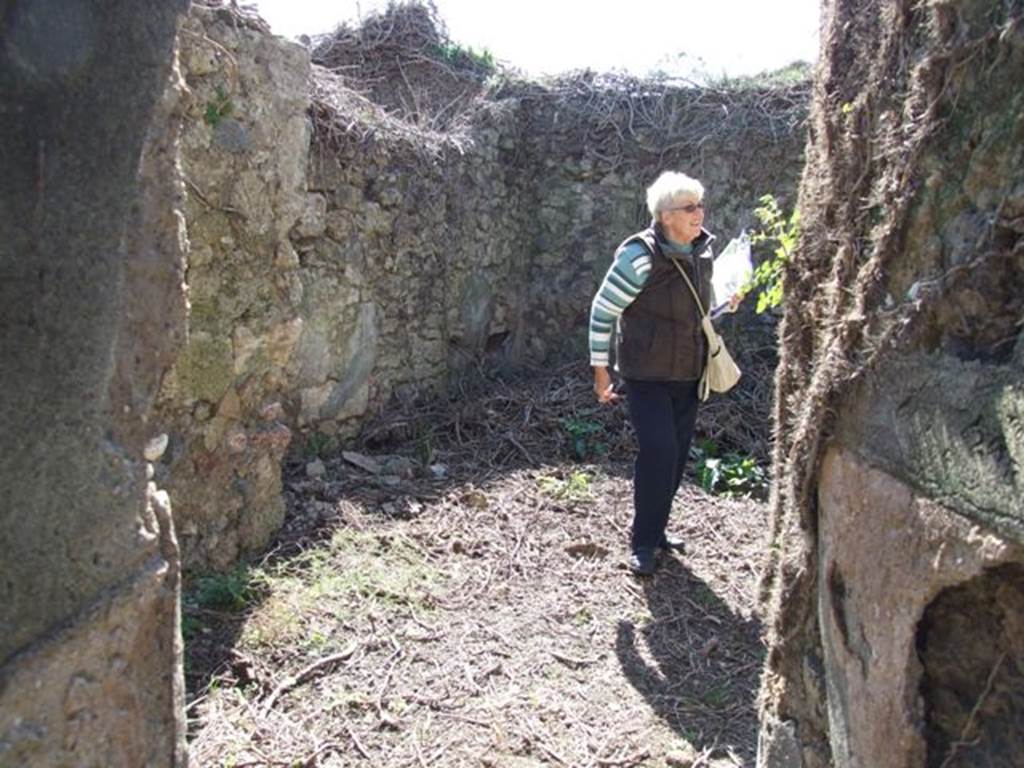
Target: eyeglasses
(689,207)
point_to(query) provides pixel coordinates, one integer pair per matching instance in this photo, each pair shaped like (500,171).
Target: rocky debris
(682,758)
(272,412)
(363,462)
(400,466)
(587,549)
(155,448)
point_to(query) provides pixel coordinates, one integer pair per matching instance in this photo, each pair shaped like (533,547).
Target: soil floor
(474,608)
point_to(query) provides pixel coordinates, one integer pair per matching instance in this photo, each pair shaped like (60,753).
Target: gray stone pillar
(91,312)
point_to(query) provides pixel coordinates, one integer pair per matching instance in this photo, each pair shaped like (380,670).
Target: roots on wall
(901,352)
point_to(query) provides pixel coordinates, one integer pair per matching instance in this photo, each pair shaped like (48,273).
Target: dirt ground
(472,606)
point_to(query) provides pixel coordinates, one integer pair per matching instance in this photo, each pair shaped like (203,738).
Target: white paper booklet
(733,269)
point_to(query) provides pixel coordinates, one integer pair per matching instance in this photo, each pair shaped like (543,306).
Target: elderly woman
(660,349)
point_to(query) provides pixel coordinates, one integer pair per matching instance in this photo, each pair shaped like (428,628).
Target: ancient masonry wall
(331,270)
(897,588)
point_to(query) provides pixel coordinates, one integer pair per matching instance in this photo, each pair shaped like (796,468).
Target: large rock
(885,555)
(106,689)
(91,313)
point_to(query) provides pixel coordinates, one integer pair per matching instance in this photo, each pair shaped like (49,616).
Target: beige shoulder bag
(720,372)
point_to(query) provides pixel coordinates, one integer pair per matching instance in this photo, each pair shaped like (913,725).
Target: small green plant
(704,596)
(574,488)
(320,445)
(190,627)
(582,617)
(780,232)
(717,697)
(795,74)
(425,445)
(459,56)
(218,107)
(316,640)
(583,436)
(730,474)
(229,591)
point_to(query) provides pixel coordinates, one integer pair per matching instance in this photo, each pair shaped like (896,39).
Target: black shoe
(671,543)
(642,563)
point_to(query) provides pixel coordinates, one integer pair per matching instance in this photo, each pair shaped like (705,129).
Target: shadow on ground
(696,662)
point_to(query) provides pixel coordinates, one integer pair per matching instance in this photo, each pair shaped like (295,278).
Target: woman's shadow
(696,662)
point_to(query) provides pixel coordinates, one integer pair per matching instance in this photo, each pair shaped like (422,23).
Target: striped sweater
(620,287)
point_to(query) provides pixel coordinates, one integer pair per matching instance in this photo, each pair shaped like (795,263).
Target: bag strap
(693,290)
(709,331)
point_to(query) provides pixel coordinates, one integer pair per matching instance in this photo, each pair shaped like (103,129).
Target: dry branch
(290,682)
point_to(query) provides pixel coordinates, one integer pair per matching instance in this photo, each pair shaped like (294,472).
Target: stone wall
(898,532)
(244,153)
(91,312)
(343,255)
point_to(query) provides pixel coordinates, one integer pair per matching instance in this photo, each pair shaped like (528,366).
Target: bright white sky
(683,37)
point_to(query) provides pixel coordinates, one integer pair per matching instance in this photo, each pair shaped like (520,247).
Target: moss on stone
(205,368)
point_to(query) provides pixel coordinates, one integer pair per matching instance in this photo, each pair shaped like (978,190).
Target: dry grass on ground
(485,617)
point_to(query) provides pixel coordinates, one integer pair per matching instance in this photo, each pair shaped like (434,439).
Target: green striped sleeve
(621,285)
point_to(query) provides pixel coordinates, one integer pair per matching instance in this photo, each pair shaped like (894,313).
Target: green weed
(425,446)
(460,57)
(584,437)
(317,640)
(705,596)
(694,68)
(229,591)
(574,488)
(320,445)
(355,570)
(582,617)
(780,232)
(730,474)
(794,73)
(347,699)
(218,108)
(190,627)
(717,697)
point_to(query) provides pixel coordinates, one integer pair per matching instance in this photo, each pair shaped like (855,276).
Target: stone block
(105,691)
(312,223)
(885,553)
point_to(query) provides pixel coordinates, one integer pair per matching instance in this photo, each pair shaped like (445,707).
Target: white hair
(668,188)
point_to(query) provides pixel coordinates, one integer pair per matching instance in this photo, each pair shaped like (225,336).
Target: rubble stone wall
(245,145)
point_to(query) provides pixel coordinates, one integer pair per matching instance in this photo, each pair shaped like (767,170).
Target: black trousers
(664,414)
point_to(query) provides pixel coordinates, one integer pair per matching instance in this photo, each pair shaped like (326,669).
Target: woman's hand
(603,387)
(734,301)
